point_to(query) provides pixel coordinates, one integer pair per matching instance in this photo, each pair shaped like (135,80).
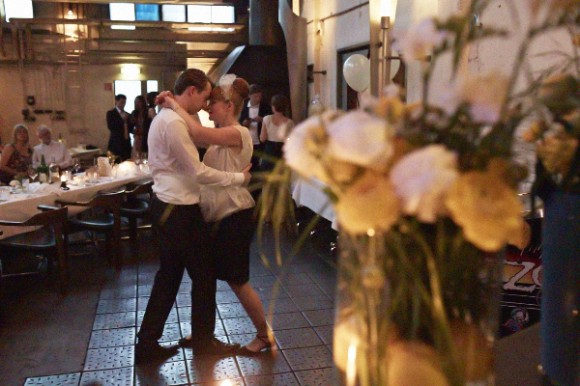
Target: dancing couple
(198,207)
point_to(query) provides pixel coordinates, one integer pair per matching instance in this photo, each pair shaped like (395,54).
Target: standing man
(53,152)
(178,225)
(251,116)
(118,124)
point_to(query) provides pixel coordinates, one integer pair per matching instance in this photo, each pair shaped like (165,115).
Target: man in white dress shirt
(53,152)
(178,227)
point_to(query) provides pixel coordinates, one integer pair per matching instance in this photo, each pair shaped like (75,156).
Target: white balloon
(357,72)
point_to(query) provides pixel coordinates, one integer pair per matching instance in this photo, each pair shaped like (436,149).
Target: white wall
(338,33)
(55,88)
(353,29)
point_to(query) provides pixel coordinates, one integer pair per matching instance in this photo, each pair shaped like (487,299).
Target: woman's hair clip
(225,83)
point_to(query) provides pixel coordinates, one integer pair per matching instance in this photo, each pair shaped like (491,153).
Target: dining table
(20,204)
(310,194)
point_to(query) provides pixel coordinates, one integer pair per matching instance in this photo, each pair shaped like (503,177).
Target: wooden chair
(105,217)
(137,206)
(49,240)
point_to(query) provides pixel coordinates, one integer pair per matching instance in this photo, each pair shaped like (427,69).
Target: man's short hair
(190,77)
(43,128)
(118,97)
(255,88)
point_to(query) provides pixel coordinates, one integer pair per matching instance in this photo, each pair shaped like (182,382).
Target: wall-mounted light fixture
(130,71)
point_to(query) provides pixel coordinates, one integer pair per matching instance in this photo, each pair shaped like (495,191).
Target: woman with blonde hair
(229,211)
(16,156)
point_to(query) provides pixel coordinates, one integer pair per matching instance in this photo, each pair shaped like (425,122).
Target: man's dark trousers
(181,237)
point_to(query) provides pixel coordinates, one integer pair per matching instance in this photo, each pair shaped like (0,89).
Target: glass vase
(415,306)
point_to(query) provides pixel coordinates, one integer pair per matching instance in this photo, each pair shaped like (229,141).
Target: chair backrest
(141,189)
(109,201)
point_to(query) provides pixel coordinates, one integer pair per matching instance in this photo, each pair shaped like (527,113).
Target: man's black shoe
(211,346)
(153,352)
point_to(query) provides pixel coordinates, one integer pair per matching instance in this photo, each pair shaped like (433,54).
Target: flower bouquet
(426,199)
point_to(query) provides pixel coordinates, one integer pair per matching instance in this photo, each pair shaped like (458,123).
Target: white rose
(361,139)
(421,180)
(419,40)
(304,149)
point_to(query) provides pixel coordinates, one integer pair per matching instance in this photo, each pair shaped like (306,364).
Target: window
(223,14)
(122,11)
(199,13)
(210,14)
(147,12)
(18,9)
(173,13)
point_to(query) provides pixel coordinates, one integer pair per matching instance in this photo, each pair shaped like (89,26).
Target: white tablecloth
(310,194)
(22,206)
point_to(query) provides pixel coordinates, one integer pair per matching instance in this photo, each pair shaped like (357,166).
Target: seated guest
(16,156)
(53,152)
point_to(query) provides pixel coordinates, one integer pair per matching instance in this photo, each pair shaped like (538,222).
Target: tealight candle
(63,179)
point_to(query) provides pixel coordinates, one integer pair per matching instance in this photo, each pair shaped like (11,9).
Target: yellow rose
(370,203)
(486,208)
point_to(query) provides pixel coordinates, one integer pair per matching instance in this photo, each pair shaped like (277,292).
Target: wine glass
(32,173)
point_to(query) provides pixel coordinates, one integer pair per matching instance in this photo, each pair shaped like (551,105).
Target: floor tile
(280,306)
(272,362)
(320,317)
(231,310)
(307,303)
(298,337)
(171,333)
(235,326)
(71,379)
(325,333)
(308,358)
(129,291)
(117,320)
(172,373)
(113,337)
(300,290)
(319,377)
(286,379)
(116,305)
(209,368)
(223,297)
(110,358)
(288,321)
(116,377)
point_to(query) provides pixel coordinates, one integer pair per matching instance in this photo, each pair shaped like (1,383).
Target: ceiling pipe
(18,22)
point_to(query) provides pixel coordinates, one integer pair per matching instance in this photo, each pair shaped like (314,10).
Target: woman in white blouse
(230,210)
(275,130)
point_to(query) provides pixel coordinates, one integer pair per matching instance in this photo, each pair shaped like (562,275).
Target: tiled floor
(88,336)
(298,298)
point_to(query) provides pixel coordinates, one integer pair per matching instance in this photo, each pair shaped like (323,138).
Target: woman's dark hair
(141,98)
(151,98)
(280,103)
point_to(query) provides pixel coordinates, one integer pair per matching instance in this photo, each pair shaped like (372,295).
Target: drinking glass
(32,173)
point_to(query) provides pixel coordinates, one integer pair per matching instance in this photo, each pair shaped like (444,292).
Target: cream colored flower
(304,149)
(413,364)
(370,203)
(418,42)
(421,180)
(361,139)
(487,210)
(485,95)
